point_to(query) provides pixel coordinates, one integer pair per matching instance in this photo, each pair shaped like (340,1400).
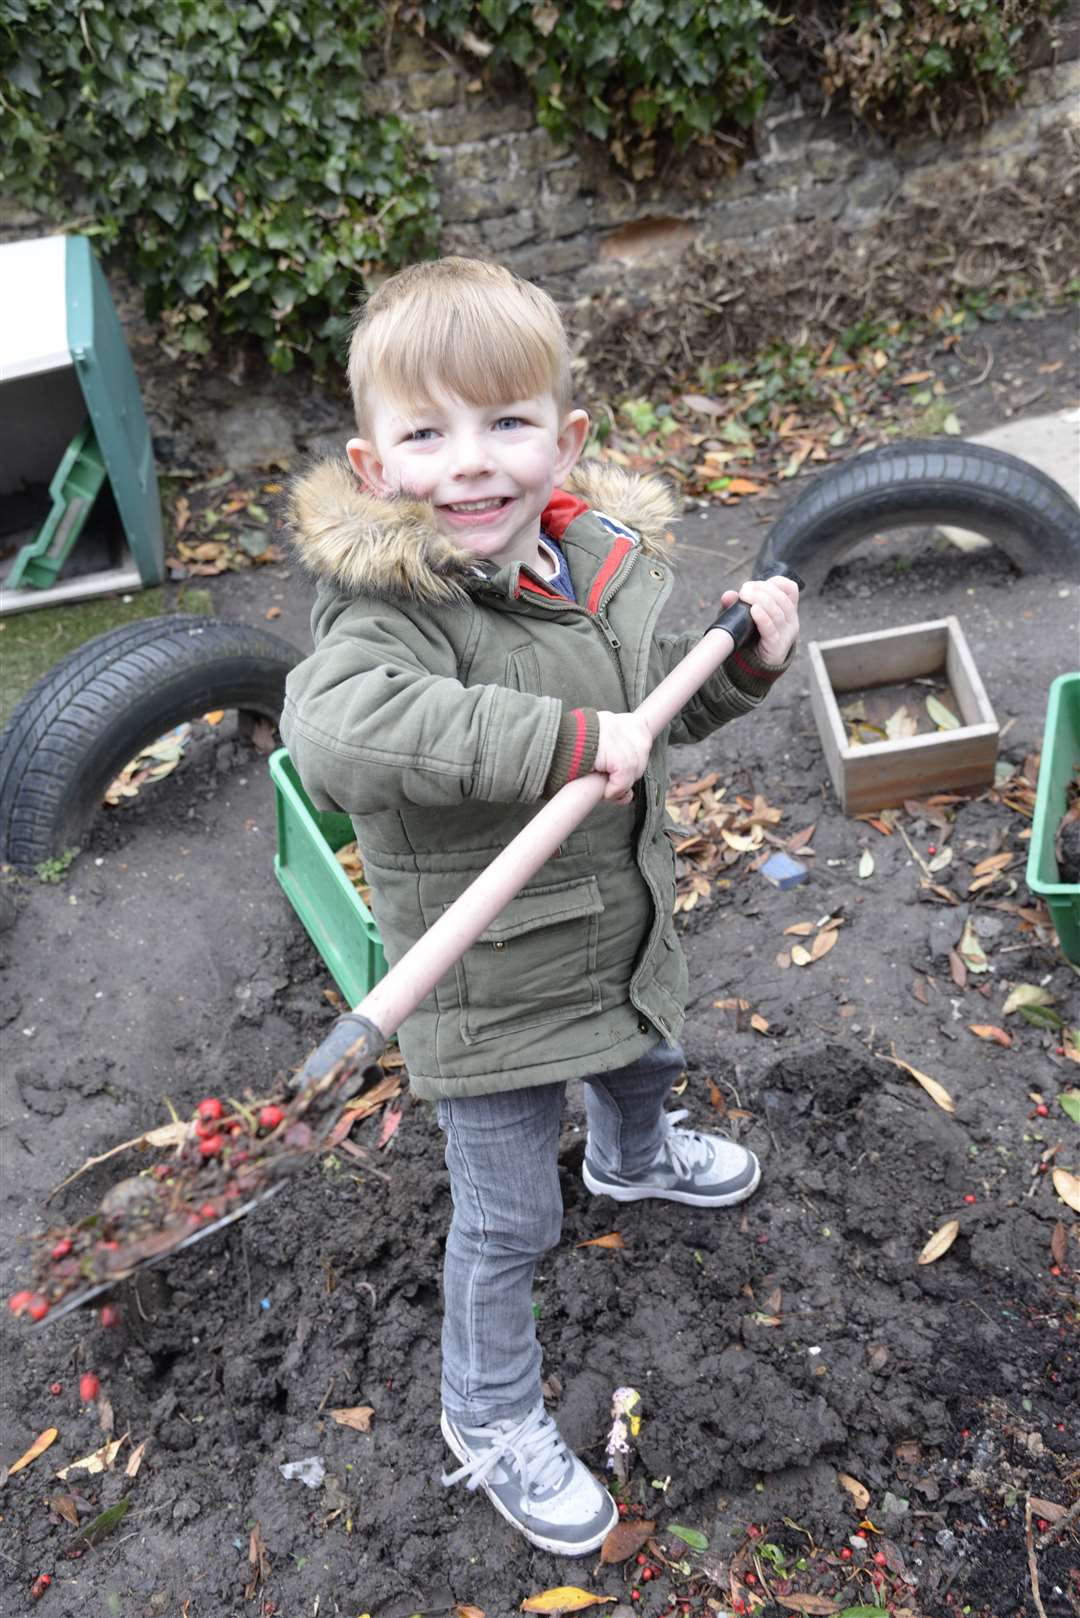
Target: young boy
(484,626)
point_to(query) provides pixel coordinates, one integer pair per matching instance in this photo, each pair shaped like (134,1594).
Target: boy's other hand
(774,607)
(622,753)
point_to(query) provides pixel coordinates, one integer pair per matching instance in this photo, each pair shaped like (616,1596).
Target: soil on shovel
(833,1424)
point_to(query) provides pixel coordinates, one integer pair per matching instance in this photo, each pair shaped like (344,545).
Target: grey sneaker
(534,1481)
(706,1171)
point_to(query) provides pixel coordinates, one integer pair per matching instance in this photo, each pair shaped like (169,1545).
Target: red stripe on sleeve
(755,673)
(614,557)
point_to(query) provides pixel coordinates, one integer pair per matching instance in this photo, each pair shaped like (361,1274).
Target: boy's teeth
(478,505)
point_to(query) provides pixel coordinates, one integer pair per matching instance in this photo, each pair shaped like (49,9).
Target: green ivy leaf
(690,1536)
(1070,1104)
(1042,1016)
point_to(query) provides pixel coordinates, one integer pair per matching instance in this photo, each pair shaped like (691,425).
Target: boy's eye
(507,422)
(420,435)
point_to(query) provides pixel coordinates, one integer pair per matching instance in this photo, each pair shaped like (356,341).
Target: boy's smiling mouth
(472,512)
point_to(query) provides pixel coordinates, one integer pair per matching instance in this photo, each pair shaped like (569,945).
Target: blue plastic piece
(784,872)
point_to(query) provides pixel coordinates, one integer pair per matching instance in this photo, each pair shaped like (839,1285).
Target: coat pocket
(535,965)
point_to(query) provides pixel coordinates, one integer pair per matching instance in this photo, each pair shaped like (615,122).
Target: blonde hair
(462,326)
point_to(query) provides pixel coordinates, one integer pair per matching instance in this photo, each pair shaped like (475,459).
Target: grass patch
(32,642)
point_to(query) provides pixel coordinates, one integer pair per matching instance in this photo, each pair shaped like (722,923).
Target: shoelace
(685,1148)
(533,1446)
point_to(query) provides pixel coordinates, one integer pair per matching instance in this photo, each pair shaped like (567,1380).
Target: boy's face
(488,470)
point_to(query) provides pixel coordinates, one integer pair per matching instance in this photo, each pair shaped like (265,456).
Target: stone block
(567,219)
(871,189)
(820,201)
(541,260)
(414,55)
(748,216)
(463,202)
(477,119)
(440,89)
(510,231)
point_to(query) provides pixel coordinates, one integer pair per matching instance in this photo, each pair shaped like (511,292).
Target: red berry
(1043,1525)
(38,1307)
(56,1387)
(109,1247)
(62,1248)
(211,1146)
(845,1554)
(1055,1269)
(210,1108)
(270,1117)
(970,1198)
(751,1578)
(880,1558)
(931,848)
(89,1387)
(646,1573)
(209,1210)
(207,1127)
(641,1558)
(622,1508)
(635,1595)
(19,1301)
(108,1316)
(1042,1110)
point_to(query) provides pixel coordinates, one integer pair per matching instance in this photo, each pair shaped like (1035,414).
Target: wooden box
(881,774)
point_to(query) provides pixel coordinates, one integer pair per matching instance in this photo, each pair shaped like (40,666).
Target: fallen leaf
(358,1417)
(911,377)
(260,1562)
(940,860)
(943,717)
(802,928)
(215,717)
(801,956)
(625,1540)
(273,612)
(1025,994)
(994,862)
(918,989)
(937,1092)
(104,1523)
(1067,1187)
(758,1023)
(689,1536)
(1047,1508)
(971,951)
(823,943)
(65,1507)
(783,960)
(38,1447)
(565,1598)
(957,970)
(742,845)
(166,1135)
(1042,1017)
(866,864)
(1059,1249)
(940,1241)
(135,1459)
(613,1240)
(858,1491)
(986,1030)
(800,839)
(391,1119)
(815,1606)
(901,724)
(463,1610)
(1070,1104)
(100,1460)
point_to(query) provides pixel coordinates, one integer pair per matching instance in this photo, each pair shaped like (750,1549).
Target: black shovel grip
(349,1034)
(736,619)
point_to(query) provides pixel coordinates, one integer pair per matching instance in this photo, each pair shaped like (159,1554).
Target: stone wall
(564,215)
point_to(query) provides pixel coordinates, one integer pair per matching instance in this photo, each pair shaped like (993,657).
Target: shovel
(344,1065)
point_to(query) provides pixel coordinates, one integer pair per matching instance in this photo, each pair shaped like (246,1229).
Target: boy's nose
(471,457)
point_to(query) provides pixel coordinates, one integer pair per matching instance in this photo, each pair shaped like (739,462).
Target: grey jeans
(502,1153)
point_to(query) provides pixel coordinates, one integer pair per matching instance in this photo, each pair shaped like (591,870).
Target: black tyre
(919,482)
(84,720)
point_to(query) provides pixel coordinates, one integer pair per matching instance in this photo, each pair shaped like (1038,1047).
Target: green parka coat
(432,711)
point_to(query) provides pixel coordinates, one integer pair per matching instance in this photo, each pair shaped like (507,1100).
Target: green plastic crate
(337,920)
(1060,760)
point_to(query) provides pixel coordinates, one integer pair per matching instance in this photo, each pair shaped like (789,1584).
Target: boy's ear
(570,442)
(366,464)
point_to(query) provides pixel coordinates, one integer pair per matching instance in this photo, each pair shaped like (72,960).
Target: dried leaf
(391,1119)
(993,862)
(260,1562)
(943,717)
(1025,994)
(99,1460)
(742,845)
(565,1598)
(815,1606)
(986,1030)
(215,717)
(940,1241)
(1048,1509)
(937,1092)
(1059,1249)
(358,1417)
(613,1240)
(38,1447)
(801,956)
(166,1135)
(858,1491)
(65,1507)
(823,943)
(918,989)
(940,860)
(783,960)
(464,1610)
(802,928)
(866,864)
(901,724)
(800,838)
(1067,1187)
(625,1540)
(1070,1043)
(135,1459)
(971,951)
(957,970)
(758,1023)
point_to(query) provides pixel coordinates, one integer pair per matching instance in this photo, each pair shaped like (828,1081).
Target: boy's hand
(774,607)
(622,753)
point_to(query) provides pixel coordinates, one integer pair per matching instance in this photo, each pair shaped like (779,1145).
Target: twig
(1059,1527)
(973,381)
(1033,1567)
(916,856)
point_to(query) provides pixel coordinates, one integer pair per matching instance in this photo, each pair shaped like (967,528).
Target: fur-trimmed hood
(364,544)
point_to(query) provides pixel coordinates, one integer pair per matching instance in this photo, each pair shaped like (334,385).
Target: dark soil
(774,1346)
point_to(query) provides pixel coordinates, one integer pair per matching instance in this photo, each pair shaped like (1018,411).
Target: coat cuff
(575,748)
(748,673)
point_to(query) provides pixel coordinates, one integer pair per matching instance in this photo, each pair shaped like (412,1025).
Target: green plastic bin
(1060,761)
(336,919)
